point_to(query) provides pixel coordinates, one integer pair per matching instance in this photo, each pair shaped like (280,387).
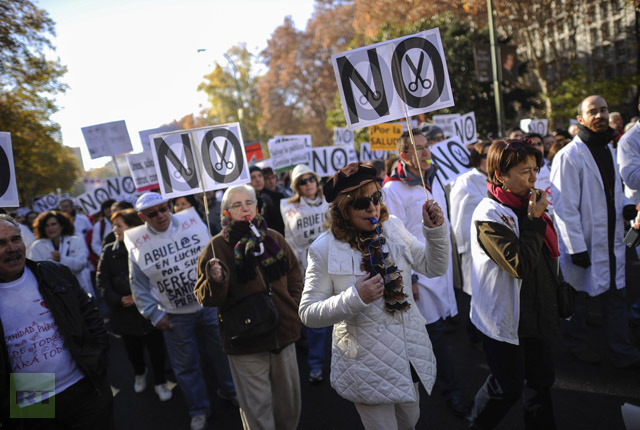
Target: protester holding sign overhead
(303,215)
(435,298)
(162,268)
(57,242)
(255,269)
(358,279)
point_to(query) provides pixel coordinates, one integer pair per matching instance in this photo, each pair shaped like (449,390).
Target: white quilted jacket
(372,348)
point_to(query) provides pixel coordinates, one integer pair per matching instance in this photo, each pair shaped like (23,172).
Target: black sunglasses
(154,213)
(310,179)
(362,203)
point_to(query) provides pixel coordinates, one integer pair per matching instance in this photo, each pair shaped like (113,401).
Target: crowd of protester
(374,255)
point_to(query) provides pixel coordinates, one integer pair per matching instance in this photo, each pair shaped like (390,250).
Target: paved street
(585,396)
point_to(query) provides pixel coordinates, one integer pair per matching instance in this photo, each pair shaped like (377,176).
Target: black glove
(581,259)
(629,212)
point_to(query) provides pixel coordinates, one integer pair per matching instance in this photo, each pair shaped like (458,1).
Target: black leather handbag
(255,315)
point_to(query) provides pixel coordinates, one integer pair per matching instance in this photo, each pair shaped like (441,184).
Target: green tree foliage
(28,84)
(233,96)
(572,90)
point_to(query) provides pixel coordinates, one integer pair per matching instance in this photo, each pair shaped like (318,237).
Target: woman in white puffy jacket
(56,242)
(358,278)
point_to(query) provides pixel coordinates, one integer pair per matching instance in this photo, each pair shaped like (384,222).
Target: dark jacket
(78,322)
(112,282)
(270,209)
(533,264)
(286,295)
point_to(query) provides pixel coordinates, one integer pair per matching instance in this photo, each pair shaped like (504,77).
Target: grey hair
(226,198)
(10,220)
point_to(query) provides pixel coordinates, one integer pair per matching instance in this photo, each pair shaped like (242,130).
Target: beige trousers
(268,388)
(393,416)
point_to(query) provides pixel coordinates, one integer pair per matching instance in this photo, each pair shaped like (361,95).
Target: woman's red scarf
(515,202)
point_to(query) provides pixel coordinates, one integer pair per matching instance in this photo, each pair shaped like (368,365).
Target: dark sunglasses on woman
(310,180)
(362,203)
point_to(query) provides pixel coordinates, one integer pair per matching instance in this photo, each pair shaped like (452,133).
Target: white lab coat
(467,192)
(581,218)
(437,299)
(629,161)
(73,253)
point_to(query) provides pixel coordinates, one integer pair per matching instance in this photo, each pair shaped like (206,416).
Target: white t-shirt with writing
(35,346)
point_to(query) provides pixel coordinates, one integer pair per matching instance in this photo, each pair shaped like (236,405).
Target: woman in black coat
(112,281)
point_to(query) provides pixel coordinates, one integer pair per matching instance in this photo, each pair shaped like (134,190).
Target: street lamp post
(238,98)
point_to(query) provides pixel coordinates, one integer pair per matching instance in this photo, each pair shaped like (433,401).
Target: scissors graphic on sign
(375,95)
(426,83)
(223,161)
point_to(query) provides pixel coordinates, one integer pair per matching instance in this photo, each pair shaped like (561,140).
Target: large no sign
(395,79)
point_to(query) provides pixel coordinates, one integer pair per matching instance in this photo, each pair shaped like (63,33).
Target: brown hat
(347,179)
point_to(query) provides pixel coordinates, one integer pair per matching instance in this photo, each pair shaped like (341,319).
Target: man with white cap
(162,267)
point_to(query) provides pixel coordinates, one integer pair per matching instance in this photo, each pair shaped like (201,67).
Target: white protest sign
(289,151)
(181,155)
(47,202)
(170,261)
(8,184)
(452,159)
(143,171)
(534,126)
(447,123)
(342,136)
(110,138)
(327,160)
(465,128)
(121,188)
(366,154)
(393,79)
(414,124)
(145,134)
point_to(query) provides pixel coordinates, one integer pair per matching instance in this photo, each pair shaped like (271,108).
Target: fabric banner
(170,262)
(121,188)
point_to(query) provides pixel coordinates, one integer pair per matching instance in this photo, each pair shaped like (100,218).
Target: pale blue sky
(137,60)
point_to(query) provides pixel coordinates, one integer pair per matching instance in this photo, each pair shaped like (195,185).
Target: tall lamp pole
(238,99)
(497,90)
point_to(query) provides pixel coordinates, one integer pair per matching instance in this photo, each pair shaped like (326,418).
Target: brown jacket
(286,295)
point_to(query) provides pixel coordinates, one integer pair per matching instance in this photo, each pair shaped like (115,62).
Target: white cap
(149,200)
(299,171)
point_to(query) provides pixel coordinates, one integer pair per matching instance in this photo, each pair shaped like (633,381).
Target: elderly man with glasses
(162,268)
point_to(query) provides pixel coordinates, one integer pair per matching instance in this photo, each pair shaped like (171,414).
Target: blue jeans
(192,333)
(316,341)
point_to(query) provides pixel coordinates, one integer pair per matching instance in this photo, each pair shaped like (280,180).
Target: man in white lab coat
(588,202)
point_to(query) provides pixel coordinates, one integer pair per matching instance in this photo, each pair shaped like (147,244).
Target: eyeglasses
(310,180)
(154,213)
(238,205)
(362,203)
(419,148)
(594,112)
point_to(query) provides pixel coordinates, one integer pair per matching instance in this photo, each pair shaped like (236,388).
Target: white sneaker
(163,392)
(140,382)
(199,422)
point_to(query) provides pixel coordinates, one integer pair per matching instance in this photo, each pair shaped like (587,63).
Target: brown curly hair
(337,219)
(65,221)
